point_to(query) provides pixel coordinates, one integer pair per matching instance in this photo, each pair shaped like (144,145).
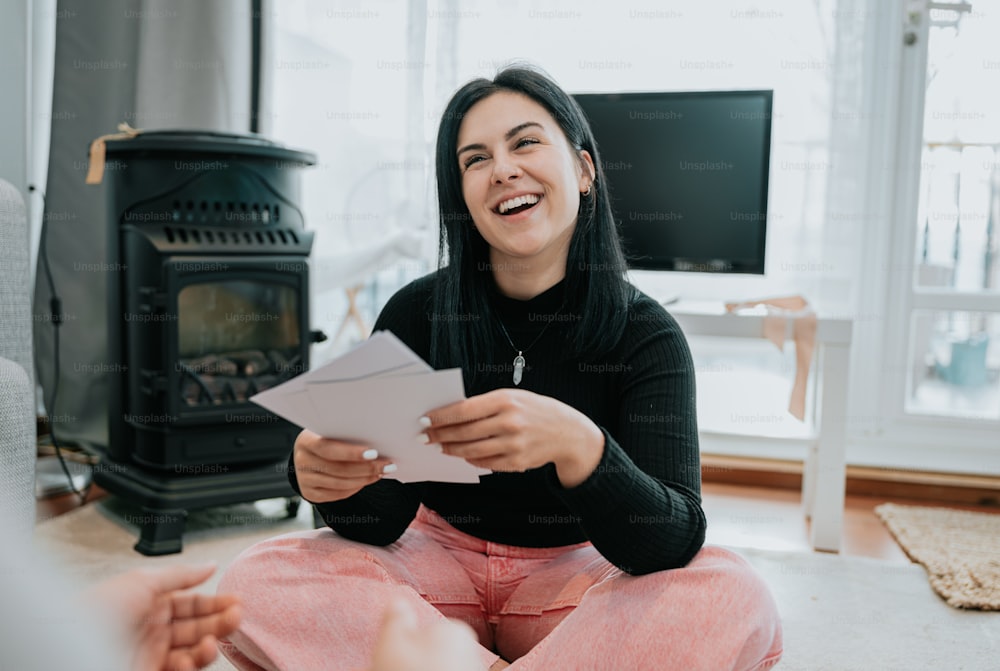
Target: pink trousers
(314,600)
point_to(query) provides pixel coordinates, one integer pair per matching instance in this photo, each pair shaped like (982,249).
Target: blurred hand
(171,630)
(331,470)
(402,645)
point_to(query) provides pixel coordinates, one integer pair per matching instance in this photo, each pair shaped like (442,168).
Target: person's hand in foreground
(403,645)
(170,629)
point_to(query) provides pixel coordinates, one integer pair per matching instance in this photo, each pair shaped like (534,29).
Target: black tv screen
(688,174)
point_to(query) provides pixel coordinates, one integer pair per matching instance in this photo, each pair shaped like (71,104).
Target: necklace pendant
(518,368)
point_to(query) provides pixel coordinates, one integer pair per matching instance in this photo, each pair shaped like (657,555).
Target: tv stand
(824,471)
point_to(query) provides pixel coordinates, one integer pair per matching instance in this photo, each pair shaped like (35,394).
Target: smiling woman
(592,517)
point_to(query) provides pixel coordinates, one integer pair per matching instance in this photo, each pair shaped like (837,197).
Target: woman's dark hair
(595,285)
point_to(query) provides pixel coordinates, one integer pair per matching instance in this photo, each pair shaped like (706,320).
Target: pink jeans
(313,600)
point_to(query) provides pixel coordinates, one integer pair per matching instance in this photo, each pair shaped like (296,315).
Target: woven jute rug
(959,549)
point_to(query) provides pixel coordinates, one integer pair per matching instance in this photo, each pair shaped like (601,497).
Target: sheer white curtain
(867,102)
(347,81)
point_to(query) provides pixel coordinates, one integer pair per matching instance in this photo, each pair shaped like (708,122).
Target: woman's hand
(331,470)
(517,430)
(171,629)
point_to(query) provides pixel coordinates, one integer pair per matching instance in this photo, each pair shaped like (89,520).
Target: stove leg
(162,529)
(292,506)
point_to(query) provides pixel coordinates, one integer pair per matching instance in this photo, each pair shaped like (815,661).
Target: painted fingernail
(389,468)
(369,455)
(425,421)
(423,438)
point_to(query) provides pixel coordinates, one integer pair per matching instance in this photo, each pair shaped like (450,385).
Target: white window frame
(901,439)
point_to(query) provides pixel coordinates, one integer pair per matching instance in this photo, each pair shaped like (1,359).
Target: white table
(824,472)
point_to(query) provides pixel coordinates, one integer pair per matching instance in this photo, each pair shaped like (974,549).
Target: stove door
(240,329)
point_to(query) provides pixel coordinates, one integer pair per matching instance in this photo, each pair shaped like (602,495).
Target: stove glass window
(236,338)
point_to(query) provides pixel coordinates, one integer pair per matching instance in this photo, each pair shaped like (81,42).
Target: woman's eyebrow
(508,135)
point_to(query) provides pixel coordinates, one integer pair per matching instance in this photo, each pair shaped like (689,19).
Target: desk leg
(825,473)
(809,479)
(353,314)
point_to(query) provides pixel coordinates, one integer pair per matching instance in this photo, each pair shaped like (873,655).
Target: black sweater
(641,507)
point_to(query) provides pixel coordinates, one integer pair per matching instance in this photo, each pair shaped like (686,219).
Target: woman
(583,550)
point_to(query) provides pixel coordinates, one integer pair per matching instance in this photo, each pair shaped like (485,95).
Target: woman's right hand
(331,470)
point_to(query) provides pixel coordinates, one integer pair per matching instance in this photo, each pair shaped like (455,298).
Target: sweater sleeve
(379,513)
(641,507)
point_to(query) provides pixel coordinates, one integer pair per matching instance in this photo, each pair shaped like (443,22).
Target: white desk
(824,472)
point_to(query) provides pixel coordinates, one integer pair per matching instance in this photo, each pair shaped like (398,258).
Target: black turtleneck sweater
(641,507)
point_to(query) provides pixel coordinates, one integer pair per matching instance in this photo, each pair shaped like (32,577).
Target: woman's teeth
(508,205)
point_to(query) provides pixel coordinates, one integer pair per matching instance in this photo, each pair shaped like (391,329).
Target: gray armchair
(17,405)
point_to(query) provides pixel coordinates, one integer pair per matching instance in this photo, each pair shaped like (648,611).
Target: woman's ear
(588,173)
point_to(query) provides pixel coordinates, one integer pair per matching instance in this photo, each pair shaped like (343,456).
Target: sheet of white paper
(293,405)
(384,412)
(383,351)
(381,354)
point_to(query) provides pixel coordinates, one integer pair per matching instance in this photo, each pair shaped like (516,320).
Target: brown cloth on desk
(779,311)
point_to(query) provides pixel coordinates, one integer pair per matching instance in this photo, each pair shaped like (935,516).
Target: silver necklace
(519,362)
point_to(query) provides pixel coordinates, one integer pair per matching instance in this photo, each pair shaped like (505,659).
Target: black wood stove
(210,305)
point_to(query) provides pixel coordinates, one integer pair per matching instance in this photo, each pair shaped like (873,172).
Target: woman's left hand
(517,430)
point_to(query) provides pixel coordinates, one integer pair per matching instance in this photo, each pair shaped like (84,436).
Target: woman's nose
(505,169)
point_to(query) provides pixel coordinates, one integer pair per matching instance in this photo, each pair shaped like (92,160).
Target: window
(947,274)
(923,314)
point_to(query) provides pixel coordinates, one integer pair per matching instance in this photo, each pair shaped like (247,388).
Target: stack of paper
(375,395)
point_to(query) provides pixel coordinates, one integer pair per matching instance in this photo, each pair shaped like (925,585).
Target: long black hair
(595,287)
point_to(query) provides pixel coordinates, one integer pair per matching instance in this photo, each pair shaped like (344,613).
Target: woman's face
(521,180)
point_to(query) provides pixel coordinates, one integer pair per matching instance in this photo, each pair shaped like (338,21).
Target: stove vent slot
(224,212)
(274,238)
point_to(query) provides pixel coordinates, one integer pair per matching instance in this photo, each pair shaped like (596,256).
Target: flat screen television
(688,173)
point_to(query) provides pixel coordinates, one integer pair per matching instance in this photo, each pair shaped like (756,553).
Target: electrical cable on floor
(55,306)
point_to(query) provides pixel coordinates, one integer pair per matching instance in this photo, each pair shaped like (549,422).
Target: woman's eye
(472,160)
(525,141)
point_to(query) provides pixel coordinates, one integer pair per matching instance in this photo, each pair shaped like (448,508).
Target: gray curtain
(155,65)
